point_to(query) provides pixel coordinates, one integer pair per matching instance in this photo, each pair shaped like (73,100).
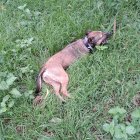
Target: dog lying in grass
(53,71)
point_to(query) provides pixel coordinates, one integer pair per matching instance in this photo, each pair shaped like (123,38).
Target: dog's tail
(39,82)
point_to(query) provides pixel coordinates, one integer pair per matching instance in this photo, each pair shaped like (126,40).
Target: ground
(31,31)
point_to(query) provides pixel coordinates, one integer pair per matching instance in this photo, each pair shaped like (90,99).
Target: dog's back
(68,55)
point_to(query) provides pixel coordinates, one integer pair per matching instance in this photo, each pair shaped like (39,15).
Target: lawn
(33,30)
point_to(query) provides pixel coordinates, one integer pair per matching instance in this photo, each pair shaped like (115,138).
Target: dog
(53,71)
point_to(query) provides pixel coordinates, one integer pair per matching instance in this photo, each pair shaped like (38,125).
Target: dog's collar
(90,48)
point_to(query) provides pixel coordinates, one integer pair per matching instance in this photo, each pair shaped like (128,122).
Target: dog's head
(97,37)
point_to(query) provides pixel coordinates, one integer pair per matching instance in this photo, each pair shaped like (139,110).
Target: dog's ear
(88,31)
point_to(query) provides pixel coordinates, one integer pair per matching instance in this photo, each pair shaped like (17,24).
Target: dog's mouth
(104,39)
(104,42)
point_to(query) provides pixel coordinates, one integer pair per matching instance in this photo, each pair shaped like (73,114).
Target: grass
(98,82)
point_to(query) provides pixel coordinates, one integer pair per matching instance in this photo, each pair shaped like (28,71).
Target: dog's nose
(109,34)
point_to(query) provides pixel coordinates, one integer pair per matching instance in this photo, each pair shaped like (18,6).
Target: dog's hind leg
(56,86)
(64,83)
(64,89)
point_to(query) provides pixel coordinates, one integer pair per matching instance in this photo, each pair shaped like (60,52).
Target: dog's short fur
(53,72)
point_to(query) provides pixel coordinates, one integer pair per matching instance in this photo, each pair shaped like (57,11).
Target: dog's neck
(88,45)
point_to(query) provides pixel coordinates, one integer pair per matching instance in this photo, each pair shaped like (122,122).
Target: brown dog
(53,72)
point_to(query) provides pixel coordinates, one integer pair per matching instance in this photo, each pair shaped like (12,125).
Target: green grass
(98,82)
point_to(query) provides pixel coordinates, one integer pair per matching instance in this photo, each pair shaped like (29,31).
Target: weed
(120,129)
